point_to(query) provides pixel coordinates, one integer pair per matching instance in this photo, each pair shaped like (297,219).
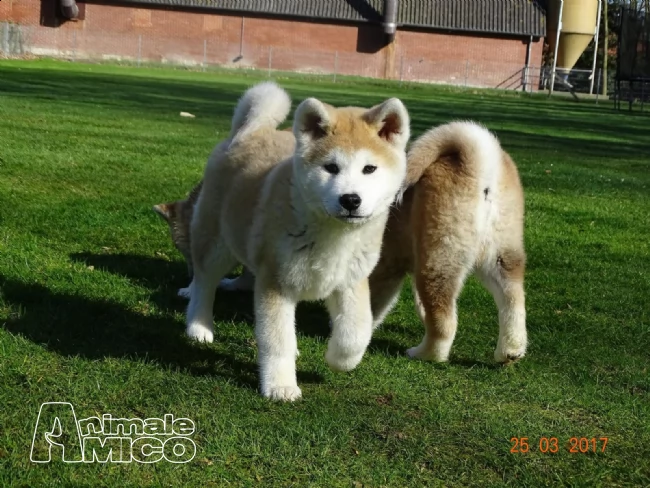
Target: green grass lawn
(89,313)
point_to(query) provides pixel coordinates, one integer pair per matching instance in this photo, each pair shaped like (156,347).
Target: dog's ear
(164,210)
(311,120)
(392,122)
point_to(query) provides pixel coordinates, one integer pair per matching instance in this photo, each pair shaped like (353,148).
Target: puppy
(308,226)
(398,258)
(462,212)
(178,215)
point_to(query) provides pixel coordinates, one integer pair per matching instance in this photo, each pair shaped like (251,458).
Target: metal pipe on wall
(69,9)
(527,67)
(390,18)
(241,42)
(241,38)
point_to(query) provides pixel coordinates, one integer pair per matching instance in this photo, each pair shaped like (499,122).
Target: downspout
(69,9)
(390,19)
(527,67)
(241,41)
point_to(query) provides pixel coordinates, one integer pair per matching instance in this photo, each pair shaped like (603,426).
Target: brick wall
(163,35)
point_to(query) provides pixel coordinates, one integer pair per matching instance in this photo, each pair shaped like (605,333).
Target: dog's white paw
(507,353)
(200,332)
(185,292)
(342,362)
(229,284)
(283,393)
(243,282)
(419,352)
(437,350)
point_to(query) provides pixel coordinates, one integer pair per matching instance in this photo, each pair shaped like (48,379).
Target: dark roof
(519,17)
(512,17)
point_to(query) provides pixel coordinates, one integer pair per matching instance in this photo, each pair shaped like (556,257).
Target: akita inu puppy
(462,212)
(503,277)
(178,215)
(308,226)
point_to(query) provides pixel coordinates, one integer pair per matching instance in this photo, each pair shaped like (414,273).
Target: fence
(206,54)
(632,92)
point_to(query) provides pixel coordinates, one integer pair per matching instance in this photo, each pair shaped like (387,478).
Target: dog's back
(467,186)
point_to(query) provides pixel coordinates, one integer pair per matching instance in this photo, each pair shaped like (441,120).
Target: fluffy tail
(471,144)
(263,105)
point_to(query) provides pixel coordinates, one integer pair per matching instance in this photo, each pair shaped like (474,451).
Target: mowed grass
(90,316)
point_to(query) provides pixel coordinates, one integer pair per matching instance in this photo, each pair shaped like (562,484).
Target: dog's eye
(331,168)
(368,169)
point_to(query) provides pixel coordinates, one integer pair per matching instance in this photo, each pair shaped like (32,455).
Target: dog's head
(178,215)
(350,162)
(167,211)
(173,213)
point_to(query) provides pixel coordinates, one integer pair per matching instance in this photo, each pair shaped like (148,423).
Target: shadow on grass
(71,325)
(165,277)
(390,348)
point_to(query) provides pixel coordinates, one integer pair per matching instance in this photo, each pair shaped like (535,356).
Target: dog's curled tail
(263,105)
(468,142)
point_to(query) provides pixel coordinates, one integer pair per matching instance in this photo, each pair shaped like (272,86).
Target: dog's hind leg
(436,294)
(214,264)
(244,282)
(185,292)
(504,278)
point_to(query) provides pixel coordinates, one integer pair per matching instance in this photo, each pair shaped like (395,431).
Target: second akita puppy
(308,227)
(462,213)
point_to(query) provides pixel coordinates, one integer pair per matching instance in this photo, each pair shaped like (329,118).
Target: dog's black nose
(350,201)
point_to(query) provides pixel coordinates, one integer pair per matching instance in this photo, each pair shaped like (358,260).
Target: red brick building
(472,42)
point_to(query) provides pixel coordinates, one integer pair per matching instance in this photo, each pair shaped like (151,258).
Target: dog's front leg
(276,341)
(351,316)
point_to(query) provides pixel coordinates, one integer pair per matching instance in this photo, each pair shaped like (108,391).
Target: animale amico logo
(59,435)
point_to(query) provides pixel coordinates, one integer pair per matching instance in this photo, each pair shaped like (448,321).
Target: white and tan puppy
(463,212)
(308,226)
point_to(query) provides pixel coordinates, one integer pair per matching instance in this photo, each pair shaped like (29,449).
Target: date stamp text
(574,445)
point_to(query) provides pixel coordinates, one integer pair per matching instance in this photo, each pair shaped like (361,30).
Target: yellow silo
(579,22)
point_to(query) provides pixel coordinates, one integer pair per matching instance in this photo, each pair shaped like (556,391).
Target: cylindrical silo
(579,22)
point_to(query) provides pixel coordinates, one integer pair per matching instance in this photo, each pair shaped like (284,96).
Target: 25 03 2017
(575,445)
